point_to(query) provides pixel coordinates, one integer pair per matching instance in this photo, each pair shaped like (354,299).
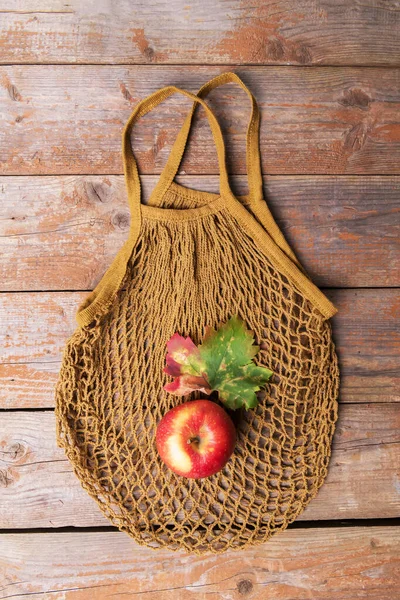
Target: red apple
(196,439)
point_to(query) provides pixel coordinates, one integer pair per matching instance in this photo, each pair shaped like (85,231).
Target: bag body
(193,259)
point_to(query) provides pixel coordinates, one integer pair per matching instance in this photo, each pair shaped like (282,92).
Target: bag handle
(253,158)
(99,299)
(130,166)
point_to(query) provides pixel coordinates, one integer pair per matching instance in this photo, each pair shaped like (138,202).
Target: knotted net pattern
(182,277)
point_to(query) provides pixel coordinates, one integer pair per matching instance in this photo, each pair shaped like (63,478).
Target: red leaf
(182,355)
(184,384)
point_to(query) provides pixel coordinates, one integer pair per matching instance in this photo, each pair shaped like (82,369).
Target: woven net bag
(193,259)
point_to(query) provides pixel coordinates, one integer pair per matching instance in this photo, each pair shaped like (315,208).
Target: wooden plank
(342,563)
(37,325)
(367,337)
(232,31)
(69,119)
(62,232)
(39,489)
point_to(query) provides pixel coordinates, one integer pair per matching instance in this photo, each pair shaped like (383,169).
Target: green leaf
(232,342)
(227,354)
(223,362)
(241,388)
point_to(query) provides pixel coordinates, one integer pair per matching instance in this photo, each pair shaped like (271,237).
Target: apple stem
(194,440)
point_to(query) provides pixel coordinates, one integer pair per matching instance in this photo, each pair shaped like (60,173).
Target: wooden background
(326,75)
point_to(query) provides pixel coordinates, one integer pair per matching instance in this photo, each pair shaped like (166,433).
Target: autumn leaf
(185,364)
(223,362)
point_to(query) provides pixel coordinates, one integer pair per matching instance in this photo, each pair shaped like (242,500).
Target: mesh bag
(193,259)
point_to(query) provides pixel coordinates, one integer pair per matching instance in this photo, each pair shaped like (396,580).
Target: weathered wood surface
(62,232)
(35,327)
(263,32)
(343,563)
(39,489)
(60,142)
(69,119)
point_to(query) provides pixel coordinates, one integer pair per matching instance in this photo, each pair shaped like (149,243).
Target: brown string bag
(193,259)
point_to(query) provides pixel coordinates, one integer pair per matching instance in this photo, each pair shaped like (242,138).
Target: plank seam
(334,524)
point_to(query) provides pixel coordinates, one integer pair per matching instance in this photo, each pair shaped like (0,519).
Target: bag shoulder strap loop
(130,166)
(253,158)
(100,298)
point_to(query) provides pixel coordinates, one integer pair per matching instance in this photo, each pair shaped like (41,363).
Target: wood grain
(233,31)
(37,325)
(75,72)
(342,563)
(69,119)
(62,232)
(39,489)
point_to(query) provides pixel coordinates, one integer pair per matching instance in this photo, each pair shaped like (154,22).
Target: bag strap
(130,166)
(99,299)
(253,159)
